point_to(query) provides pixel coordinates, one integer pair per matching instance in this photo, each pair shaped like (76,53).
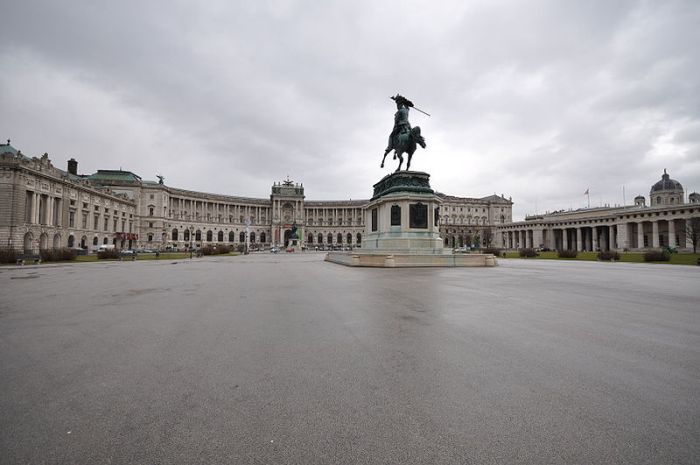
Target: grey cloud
(536,100)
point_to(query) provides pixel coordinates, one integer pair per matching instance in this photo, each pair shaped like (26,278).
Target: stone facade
(119,207)
(636,227)
(44,207)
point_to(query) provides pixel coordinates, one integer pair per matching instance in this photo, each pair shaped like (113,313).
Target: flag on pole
(586,193)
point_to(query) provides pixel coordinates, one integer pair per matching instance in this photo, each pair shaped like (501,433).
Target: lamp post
(191,240)
(247,235)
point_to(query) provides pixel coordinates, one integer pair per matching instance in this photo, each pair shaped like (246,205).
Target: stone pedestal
(402,229)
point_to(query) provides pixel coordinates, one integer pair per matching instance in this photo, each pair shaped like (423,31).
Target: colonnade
(627,235)
(44,209)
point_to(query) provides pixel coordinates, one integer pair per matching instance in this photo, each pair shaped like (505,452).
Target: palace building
(42,206)
(666,222)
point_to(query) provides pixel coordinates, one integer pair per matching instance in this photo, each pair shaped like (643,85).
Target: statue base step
(410,260)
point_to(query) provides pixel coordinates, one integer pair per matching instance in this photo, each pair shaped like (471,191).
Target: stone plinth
(402,228)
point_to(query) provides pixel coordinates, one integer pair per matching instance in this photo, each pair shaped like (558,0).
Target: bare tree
(487,237)
(692,230)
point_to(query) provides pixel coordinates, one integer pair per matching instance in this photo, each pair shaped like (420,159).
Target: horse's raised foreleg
(385,154)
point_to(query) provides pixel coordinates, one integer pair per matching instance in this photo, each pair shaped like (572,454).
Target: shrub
(8,255)
(57,255)
(567,254)
(528,252)
(240,248)
(493,250)
(657,256)
(223,249)
(215,250)
(608,255)
(108,254)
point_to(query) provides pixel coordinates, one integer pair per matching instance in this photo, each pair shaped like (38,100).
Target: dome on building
(666,192)
(694,197)
(666,184)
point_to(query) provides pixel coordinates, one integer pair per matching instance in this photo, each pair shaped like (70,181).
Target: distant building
(635,227)
(42,206)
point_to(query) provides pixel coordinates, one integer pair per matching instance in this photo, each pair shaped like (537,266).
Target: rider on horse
(401,124)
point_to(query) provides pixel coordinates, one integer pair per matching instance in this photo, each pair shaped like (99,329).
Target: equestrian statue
(403,138)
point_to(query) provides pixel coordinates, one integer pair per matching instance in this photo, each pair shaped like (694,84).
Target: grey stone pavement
(286,359)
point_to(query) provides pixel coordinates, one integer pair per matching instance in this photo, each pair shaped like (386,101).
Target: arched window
(330,238)
(658,199)
(174,236)
(150,210)
(186,235)
(263,238)
(231,237)
(310,239)
(349,238)
(71,241)
(320,238)
(252,237)
(198,235)
(241,237)
(210,236)
(503,218)
(340,238)
(359,238)
(95,240)
(43,241)
(150,238)
(220,236)
(106,241)
(56,241)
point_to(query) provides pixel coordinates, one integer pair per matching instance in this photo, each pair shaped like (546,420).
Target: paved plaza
(286,359)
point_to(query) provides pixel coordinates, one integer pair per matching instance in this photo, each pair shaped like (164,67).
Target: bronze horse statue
(406,142)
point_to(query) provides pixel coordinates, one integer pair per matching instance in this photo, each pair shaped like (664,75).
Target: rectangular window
(106,224)
(395,215)
(71,219)
(85,217)
(28,207)
(418,216)
(374,219)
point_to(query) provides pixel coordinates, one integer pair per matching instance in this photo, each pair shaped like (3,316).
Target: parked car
(127,254)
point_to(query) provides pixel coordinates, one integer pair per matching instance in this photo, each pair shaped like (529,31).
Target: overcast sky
(538,100)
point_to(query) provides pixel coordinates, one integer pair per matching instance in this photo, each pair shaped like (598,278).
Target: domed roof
(667,184)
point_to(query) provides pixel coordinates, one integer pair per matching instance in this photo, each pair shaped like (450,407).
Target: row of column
(628,235)
(525,238)
(334,213)
(199,210)
(45,209)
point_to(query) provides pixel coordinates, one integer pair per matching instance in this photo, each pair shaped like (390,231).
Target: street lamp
(191,240)
(247,235)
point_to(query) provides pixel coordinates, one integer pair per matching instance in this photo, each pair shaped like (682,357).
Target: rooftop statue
(403,138)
